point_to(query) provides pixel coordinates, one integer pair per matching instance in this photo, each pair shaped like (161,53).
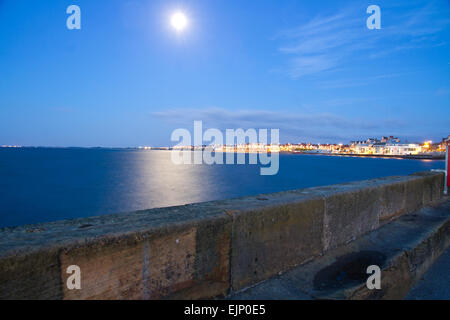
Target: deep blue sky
(310,68)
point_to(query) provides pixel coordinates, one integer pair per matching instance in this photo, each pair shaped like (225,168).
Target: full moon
(179,21)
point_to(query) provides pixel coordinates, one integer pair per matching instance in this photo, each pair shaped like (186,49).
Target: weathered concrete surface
(35,276)
(268,240)
(273,233)
(180,252)
(349,215)
(435,284)
(433,186)
(208,249)
(392,200)
(274,289)
(404,249)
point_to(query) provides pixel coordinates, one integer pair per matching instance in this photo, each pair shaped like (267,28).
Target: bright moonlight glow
(179,21)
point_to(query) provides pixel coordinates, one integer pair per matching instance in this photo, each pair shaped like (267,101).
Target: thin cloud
(443,92)
(306,65)
(350,83)
(328,42)
(293,126)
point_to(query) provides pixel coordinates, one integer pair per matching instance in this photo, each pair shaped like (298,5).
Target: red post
(447,166)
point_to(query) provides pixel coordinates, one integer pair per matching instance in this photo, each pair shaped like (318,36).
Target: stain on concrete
(348,270)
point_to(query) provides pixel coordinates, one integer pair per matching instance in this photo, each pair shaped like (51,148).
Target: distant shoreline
(411,157)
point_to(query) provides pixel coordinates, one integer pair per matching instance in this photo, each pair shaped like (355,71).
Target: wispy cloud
(304,65)
(443,91)
(293,126)
(350,83)
(328,42)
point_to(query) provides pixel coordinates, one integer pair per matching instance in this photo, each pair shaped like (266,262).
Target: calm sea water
(38,185)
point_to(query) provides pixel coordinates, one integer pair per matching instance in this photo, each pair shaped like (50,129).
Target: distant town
(384,147)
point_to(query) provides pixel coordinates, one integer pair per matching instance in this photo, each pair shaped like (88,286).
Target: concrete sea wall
(202,250)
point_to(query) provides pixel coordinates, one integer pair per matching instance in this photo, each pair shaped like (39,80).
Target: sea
(48,184)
